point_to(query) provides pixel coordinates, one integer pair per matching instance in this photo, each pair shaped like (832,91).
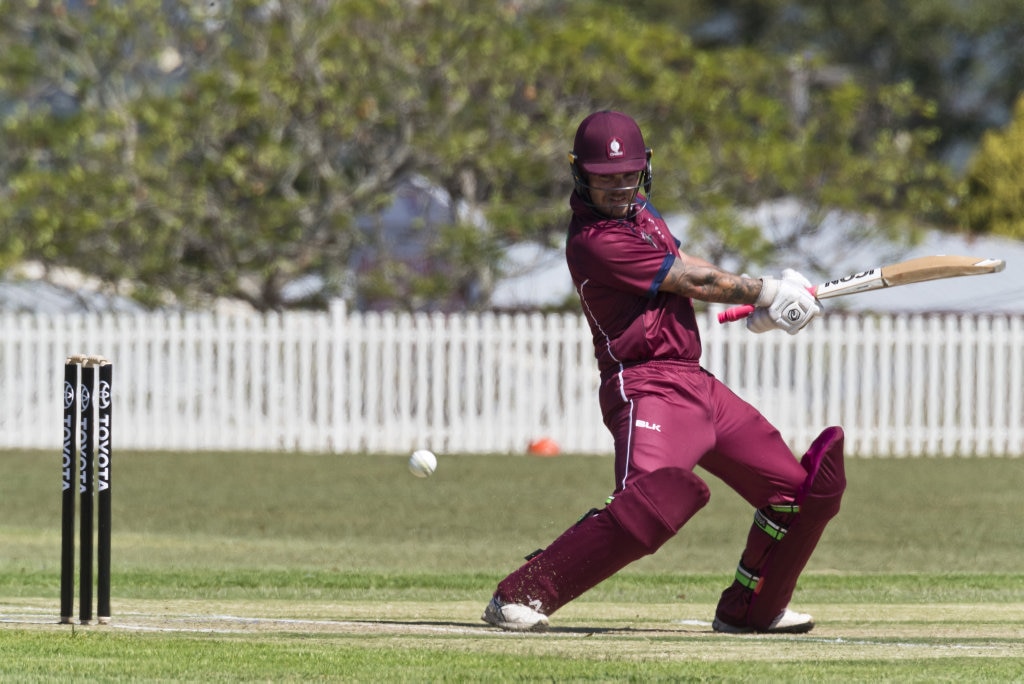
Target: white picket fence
(904,385)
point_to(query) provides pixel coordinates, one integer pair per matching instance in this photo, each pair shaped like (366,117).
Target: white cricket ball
(422,463)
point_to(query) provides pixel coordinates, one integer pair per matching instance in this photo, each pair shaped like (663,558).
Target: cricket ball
(422,463)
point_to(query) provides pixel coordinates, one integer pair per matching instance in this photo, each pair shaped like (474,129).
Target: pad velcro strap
(747,578)
(785,508)
(589,514)
(768,526)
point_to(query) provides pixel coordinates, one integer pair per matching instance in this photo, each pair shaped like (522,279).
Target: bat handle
(736,313)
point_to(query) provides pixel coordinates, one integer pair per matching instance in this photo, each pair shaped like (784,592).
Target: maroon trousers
(667,418)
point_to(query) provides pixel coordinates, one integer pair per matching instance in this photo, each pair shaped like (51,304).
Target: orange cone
(545,446)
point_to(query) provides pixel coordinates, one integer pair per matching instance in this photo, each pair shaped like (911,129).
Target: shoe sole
(724,628)
(494,620)
(516,627)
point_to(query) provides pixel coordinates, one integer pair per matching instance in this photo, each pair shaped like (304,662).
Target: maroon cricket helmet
(610,142)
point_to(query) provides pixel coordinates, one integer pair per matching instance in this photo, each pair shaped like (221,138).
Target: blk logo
(647,426)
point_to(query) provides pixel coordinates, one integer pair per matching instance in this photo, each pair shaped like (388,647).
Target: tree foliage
(995,181)
(966,57)
(227,153)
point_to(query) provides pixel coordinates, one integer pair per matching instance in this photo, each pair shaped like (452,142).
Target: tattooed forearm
(692,277)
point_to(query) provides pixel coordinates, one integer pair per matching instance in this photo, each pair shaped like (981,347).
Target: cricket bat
(903,273)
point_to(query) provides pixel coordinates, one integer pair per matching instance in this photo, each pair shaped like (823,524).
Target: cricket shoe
(514,617)
(788,622)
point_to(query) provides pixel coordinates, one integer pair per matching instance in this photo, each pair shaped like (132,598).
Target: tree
(966,57)
(64,88)
(229,170)
(995,181)
(225,154)
(222,155)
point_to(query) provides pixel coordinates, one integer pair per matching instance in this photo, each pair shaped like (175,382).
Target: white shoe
(788,622)
(514,617)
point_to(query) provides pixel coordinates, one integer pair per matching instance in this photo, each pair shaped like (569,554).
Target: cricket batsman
(668,415)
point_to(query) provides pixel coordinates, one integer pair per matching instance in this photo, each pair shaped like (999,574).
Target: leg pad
(636,523)
(655,506)
(772,562)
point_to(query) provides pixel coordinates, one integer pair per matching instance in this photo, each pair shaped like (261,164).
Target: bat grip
(736,313)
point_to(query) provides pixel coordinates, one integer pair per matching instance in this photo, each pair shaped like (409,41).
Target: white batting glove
(796,277)
(787,302)
(760,321)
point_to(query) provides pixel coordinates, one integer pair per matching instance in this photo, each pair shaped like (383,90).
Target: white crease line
(25,617)
(189,630)
(345,623)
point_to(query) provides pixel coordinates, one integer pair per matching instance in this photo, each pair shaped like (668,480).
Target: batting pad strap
(768,526)
(747,578)
(785,508)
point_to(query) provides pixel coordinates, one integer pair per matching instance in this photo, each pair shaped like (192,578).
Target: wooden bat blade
(937,267)
(917,270)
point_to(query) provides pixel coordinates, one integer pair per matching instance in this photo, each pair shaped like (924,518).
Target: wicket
(87,435)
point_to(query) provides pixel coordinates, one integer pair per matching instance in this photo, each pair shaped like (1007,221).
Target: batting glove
(787,303)
(760,321)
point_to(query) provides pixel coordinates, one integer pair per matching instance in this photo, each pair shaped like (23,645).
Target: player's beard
(618,207)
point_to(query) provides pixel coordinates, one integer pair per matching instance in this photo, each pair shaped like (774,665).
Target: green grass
(242,567)
(161,657)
